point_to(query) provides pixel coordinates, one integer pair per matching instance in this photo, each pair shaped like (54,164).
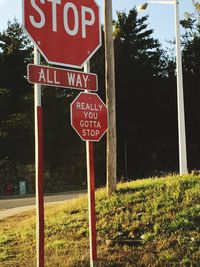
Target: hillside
(158,219)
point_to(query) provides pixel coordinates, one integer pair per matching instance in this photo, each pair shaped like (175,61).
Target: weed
(164,212)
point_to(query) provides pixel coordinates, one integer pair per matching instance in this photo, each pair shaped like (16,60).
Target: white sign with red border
(62,78)
(89,116)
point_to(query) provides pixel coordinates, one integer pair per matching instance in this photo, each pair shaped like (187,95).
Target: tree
(15,54)
(191,22)
(135,45)
(16,113)
(191,40)
(16,126)
(144,91)
(191,67)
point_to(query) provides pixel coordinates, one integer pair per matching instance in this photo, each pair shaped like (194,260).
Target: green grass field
(162,213)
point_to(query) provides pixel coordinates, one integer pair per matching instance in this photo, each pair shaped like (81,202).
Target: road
(14,206)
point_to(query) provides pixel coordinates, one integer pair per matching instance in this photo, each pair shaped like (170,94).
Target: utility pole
(111,157)
(180,96)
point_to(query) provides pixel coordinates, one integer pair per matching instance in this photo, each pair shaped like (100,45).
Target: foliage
(145,90)
(134,43)
(191,38)
(146,106)
(191,70)
(162,212)
(15,54)
(16,118)
(191,21)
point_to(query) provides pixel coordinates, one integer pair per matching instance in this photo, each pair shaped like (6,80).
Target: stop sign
(89,116)
(66,32)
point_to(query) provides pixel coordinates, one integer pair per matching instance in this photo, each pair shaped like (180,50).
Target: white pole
(180,97)
(37,87)
(38,170)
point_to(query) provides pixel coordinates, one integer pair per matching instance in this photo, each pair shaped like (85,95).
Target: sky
(161,17)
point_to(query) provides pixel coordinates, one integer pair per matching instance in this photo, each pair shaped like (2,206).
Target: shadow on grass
(134,190)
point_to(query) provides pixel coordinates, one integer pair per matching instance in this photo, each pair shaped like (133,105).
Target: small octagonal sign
(89,116)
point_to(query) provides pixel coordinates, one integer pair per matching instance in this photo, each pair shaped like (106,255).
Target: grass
(162,212)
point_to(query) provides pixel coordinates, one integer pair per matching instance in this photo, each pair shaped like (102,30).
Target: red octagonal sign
(89,116)
(66,32)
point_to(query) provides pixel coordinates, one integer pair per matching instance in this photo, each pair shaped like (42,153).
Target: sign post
(89,118)
(39,170)
(91,202)
(91,194)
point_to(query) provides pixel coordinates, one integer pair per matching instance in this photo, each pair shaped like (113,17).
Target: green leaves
(191,22)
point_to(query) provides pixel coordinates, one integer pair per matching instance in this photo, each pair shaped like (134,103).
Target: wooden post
(111,169)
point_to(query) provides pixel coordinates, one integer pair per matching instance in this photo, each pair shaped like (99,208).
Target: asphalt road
(14,206)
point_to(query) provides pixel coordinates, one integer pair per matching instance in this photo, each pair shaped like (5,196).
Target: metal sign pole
(180,96)
(91,194)
(39,170)
(91,203)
